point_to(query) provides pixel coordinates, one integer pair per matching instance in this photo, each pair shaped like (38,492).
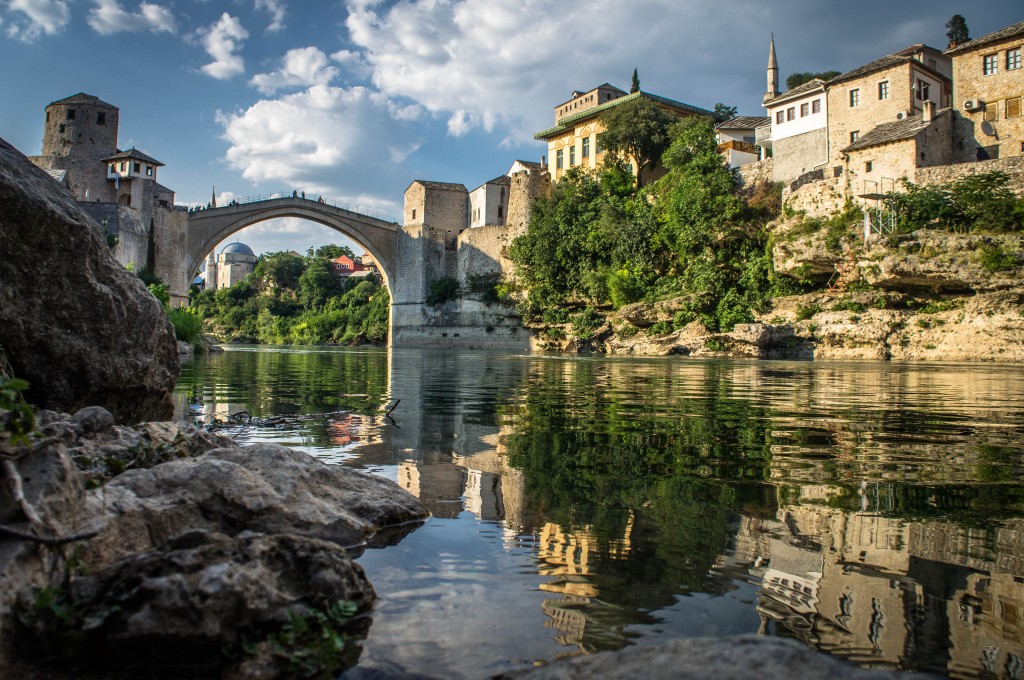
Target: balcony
(763,136)
(736,145)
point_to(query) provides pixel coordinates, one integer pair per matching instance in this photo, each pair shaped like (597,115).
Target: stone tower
(79,132)
(773,71)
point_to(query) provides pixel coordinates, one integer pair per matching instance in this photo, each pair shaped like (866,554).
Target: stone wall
(170,237)
(78,145)
(817,199)
(1014,167)
(890,163)
(132,238)
(793,156)
(750,175)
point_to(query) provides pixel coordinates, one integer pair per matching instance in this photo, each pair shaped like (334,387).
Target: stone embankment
(924,296)
(187,546)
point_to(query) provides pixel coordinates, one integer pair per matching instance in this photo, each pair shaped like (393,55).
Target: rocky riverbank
(167,550)
(922,296)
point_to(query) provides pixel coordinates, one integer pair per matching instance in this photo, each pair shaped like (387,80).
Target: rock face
(73,322)
(737,658)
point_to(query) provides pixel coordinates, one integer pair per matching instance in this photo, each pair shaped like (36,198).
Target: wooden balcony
(736,145)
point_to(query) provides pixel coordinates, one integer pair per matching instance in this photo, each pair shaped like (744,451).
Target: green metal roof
(566,122)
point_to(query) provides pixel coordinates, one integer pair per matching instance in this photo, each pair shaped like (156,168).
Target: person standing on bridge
(303,195)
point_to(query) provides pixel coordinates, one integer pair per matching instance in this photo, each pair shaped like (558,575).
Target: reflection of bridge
(207,228)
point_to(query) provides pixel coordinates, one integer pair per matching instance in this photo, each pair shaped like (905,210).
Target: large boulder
(73,322)
(267,488)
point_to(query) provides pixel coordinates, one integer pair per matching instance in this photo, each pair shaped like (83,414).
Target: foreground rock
(199,545)
(73,322)
(737,658)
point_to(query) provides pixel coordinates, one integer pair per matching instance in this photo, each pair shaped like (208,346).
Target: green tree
(797,79)
(958,32)
(279,270)
(723,112)
(317,284)
(636,130)
(634,85)
(331,251)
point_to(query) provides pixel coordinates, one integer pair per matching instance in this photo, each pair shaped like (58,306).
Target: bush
(994,259)
(443,290)
(188,326)
(584,323)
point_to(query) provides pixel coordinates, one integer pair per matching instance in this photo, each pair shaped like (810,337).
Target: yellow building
(573,141)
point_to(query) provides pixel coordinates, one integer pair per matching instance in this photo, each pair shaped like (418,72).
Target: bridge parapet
(275,196)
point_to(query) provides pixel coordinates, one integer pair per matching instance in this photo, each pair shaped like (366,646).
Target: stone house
(488,203)
(797,133)
(891,89)
(988,84)
(737,139)
(573,141)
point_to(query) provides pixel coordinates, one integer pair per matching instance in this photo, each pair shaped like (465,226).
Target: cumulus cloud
(107,17)
(39,16)
(222,41)
(487,65)
(340,136)
(277,10)
(300,67)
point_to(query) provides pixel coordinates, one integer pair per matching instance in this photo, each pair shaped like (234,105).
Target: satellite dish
(987,128)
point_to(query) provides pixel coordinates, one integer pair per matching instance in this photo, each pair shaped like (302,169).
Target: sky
(355,100)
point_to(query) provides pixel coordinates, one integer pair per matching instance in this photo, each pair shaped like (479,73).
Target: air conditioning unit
(902,115)
(973,105)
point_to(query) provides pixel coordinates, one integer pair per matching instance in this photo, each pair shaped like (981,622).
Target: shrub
(584,323)
(188,326)
(994,259)
(803,313)
(443,290)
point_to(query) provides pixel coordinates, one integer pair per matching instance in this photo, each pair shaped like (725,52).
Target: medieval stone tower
(78,134)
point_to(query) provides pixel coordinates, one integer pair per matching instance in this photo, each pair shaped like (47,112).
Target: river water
(874,511)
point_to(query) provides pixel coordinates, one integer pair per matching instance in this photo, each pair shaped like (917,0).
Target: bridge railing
(384,217)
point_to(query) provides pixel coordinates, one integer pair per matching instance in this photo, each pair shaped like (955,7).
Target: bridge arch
(207,228)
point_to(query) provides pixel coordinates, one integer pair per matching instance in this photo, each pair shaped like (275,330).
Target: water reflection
(873,511)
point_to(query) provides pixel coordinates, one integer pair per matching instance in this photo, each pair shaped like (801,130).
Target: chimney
(928,111)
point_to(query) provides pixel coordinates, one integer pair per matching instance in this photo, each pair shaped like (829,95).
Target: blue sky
(355,100)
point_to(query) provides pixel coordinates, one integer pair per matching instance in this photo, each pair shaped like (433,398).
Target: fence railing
(320,200)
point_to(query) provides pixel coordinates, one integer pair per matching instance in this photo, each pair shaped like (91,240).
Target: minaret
(213,201)
(773,72)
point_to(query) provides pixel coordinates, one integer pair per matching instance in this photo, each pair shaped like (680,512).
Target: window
(931,64)
(922,90)
(586,149)
(780,116)
(804,109)
(112,168)
(414,213)
(855,97)
(500,208)
(991,110)
(558,159)
(1013,107)
(1013,59)
(101,118)
(883,89)
(60,128)
(989,64)
(47,116)
(572,156)
(816,106)
(136,168)
(791,113)
(149,171)
(854,136)
(122,166)
(869,166)
(71,114)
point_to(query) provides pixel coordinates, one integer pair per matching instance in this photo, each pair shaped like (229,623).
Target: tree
(797,79)
(635,85)
(723,112)
(318,284)
(636,130)
(279,270)
(331,251)
(958,32)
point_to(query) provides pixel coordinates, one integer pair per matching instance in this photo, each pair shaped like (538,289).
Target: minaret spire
(773,71)
(213,201)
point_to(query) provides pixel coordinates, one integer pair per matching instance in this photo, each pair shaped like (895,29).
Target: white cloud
(108,17)
(277,12)
(222,40)
(486,65)
(342,135)
(41,16)
(300,67)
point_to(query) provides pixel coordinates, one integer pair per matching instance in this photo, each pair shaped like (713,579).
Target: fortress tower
(79,133)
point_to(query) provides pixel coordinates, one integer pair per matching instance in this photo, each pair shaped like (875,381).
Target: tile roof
(743,123)
(886,62)
(443,186)
(799,90)
(132,153)
(529,164)
(160,188)
(895,131)
(1008,32)
(83,98)
(566,122)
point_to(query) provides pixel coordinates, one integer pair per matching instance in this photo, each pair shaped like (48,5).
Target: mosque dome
(237,249)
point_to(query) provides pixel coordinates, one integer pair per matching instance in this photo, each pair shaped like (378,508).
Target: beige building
(737,139)
(988,86)
(573,141)
(234,262)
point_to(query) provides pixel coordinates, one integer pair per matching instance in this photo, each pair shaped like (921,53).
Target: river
(874,511)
